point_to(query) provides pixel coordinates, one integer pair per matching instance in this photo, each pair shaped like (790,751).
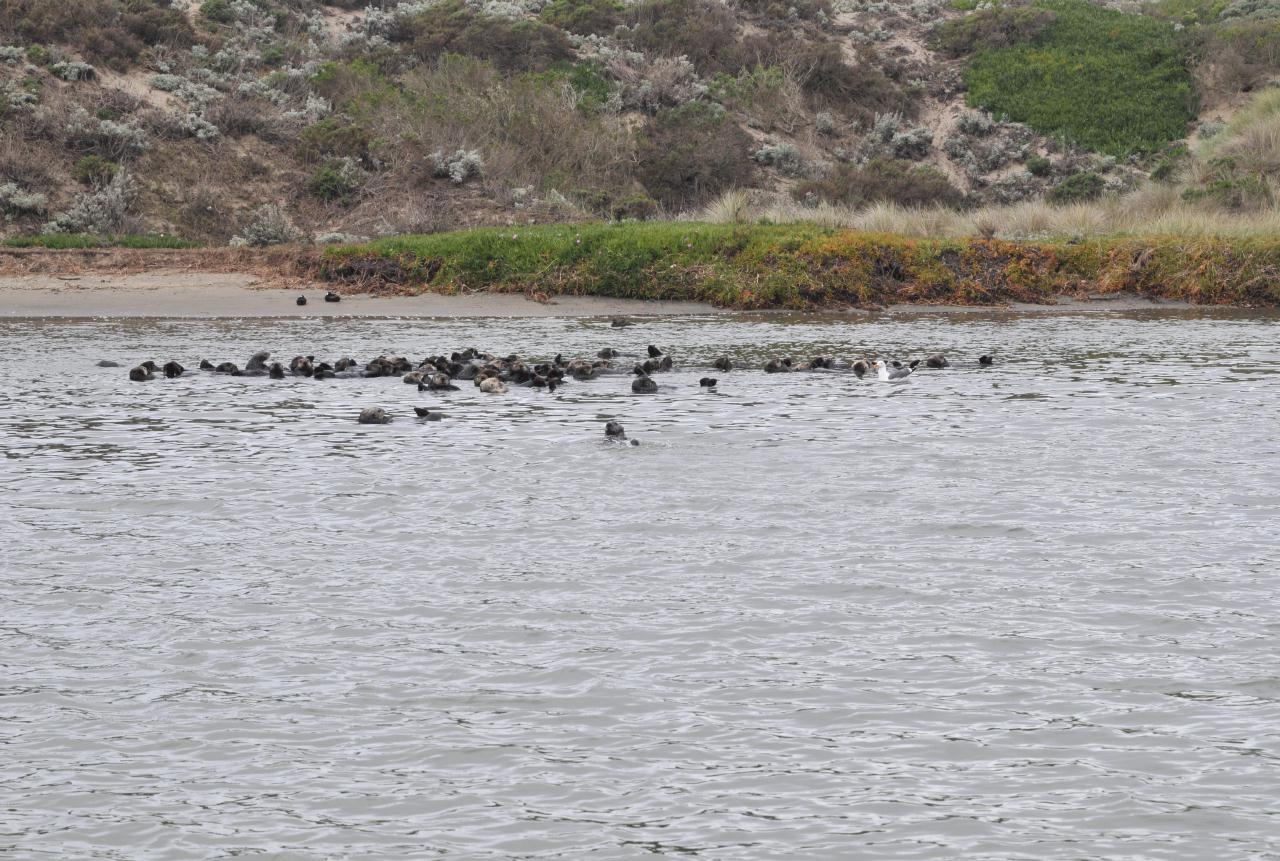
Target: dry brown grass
(1153,210)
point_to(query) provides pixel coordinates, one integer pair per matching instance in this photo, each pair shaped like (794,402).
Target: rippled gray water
(1027,612)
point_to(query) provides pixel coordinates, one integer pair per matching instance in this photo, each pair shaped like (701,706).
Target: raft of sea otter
(493,374)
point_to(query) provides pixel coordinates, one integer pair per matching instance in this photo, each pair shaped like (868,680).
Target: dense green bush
(217,10)
(1039,166)
(332,184)
(94,170)
(883,180)
(585,79)
(334,137)
(689,154)
(584,17)
(1109,81)
(634,207)
(1082,186)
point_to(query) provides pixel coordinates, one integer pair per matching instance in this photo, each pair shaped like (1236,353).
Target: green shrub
(585,79)
(94,170)
(1169,163)
(883,180)
(1187,12)
(689,154)
(634,207)
(1109,81)
(218,11)
(584,17)
(1039,166)
(334,137)
(272,56)
(1078,187)
(332,184)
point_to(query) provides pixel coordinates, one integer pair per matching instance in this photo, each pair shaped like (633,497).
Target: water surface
(1025,612)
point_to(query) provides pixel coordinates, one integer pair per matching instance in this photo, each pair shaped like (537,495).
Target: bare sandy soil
(209,294)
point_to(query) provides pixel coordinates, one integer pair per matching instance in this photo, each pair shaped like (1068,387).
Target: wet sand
(203,295)
(206,295)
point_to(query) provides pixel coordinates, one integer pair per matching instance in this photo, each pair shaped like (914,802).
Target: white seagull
(897,375)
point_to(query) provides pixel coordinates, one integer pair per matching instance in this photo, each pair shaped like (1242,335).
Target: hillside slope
(255,121)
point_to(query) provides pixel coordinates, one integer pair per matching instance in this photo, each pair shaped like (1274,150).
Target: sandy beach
(204,295)
(215,294)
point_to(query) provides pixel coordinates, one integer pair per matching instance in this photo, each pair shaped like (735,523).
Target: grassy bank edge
(807,267)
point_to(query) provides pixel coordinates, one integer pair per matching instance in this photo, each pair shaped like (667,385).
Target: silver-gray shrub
(914,143)
(461,166)
(785,157)
(268,225)
(73,70)
(15,202)
(885,126)
(106,209)
(975,123)
(109,138)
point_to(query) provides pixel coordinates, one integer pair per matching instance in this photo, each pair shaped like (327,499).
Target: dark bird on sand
(332,297)
(302,300)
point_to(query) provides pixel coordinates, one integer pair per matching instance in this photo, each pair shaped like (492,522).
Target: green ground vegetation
(804,266)
(1112,82)
(80,240)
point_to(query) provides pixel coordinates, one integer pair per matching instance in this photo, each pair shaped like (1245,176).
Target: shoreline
(643,269)
(211,295)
